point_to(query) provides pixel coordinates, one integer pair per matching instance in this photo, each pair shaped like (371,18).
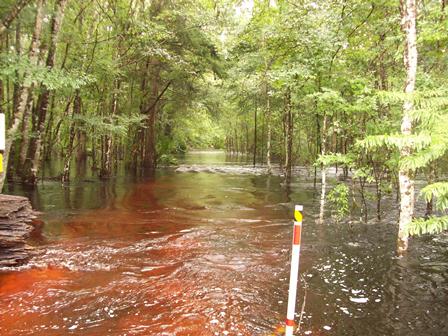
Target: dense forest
(356,85)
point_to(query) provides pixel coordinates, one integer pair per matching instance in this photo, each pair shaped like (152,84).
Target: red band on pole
(296,236)
(290,323)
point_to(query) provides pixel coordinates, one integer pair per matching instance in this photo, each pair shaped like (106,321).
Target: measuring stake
(294,270)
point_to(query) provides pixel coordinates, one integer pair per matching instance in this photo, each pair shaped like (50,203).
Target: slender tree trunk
(364,210)
(246,146)
(151,136)
(139,138)
(443,4)
(409,18)
(378,199)
(323,171)
(289,137)
(151,155)
(18,47)
(237,143)
(77,105)
(255,133)
(47,144)
(52,136)
(269,129)
(431,179)
(2,92)
(318,144)
(12,15)
(108,144)
(35,148)
(263,132)
(26,88)
(284,139)
(268,110)
(94,155)
(26,126)
(81,153)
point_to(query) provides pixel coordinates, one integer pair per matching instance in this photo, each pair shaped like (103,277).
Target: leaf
(395,141)
(438,190)
(432,225)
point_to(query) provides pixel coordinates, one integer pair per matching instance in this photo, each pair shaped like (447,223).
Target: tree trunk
(35,148)
(26,88)
(16,89)
(289,137)
(442,8)
(318,144)
(246,146)
(108,144)
(11,16)
(378,199)
(409,18)
(81,153)
(77,105)
(150,152)
(269,129)
(431,179)
(26,127)
(255,134)
(47,142)
(323,172)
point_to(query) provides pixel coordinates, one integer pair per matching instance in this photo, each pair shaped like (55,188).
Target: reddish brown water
(207,254)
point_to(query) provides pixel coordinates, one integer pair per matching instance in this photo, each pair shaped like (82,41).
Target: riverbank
(16,225)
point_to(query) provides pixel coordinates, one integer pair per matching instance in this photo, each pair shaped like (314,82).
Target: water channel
(206,251)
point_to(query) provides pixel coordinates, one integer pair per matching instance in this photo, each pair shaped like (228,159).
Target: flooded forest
(155,156)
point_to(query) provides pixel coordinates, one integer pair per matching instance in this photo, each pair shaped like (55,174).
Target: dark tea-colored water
(206,253)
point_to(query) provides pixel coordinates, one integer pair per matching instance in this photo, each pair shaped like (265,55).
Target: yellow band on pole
(298,216)
(1,163)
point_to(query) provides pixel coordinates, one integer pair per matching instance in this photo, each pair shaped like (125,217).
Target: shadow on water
(207,254)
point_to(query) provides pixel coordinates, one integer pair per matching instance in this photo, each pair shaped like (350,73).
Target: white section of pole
(289,330)
(293,287)
(294,275)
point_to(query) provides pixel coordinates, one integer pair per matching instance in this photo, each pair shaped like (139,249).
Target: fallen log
(16,225)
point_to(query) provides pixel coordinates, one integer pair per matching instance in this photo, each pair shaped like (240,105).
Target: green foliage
(53,79)
(332,159)
(195,130)
(338,198)
(396,141)
(425,156)
(167,160)
(364,173)
(438,190)
(98,126)
(432,225)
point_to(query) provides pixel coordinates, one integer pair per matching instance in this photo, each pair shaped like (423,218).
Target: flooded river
(206,252)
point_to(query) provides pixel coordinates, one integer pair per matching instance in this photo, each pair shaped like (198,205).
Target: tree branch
(11,16)
(158,98)
(350,35)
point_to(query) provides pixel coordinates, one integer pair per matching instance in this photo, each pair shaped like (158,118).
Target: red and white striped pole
(295,257)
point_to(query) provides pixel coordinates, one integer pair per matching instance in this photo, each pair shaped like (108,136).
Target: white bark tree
(409,18)
(25,91)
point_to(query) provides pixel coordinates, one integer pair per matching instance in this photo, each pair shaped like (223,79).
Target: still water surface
(206,253)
